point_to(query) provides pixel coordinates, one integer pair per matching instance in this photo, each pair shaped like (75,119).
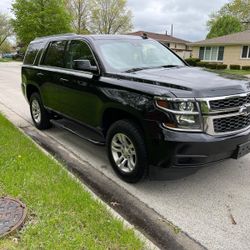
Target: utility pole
(172,30)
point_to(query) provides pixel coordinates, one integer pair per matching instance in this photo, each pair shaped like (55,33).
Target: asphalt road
(205,205)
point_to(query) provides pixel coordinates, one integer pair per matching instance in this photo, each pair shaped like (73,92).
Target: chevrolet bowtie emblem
(245,110)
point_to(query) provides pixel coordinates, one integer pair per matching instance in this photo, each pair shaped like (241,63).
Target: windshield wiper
(153,67)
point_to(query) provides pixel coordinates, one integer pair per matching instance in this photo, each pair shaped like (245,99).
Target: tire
(127,151)
(40,116)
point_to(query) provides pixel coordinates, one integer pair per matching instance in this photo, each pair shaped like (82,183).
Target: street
(211,206)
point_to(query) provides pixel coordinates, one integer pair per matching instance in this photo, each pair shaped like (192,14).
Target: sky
(189,17)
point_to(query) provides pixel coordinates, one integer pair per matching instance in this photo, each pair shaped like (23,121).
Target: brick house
(229,49)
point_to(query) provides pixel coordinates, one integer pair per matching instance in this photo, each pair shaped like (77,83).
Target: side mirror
(85,65)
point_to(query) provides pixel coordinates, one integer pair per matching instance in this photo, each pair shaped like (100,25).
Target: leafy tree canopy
(110,17)
(236,8)
(5,28)
(79,11)
(40,18)
(5,47)
(224,25)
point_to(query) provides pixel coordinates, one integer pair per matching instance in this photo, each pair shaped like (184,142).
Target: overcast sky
(188,16)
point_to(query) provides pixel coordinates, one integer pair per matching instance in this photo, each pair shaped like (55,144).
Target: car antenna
(144,36)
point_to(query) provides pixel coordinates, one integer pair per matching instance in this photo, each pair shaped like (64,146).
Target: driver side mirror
(85,65)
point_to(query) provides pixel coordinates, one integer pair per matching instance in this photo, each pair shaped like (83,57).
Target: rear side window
(55,54)
(31,53)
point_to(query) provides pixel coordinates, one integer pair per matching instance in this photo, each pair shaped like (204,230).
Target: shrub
(192,61)
(211,66)
(233,66)
(246,67)
(202,64)
(221,66)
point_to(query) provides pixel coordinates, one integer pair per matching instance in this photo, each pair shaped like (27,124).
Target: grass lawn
(6,59)
(62,215)
(234,72)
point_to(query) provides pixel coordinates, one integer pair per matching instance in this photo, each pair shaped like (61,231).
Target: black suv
(139,98)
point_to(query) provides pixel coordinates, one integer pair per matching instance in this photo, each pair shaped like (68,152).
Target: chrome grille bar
(224,115)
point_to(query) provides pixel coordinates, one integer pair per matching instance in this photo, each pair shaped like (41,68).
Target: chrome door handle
(40,74)
(63,80)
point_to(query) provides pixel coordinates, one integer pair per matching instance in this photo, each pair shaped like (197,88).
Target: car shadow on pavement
(168,174)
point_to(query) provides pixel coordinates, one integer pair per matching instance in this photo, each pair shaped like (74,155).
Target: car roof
(87,37)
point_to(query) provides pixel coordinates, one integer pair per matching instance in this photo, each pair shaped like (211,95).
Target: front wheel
(126,151)
(39,114)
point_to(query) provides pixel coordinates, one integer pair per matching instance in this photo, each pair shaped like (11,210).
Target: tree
(224,25)
(110,17)
(80,13)
(5,47)
(40,18)
(236,8)
(5,28)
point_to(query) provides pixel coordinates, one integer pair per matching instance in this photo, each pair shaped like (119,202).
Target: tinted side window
(55,54)
(78,50)
(31,53)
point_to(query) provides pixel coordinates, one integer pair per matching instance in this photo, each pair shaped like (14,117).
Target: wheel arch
(113,114)
(30,89)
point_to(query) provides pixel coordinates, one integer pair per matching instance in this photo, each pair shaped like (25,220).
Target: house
(233,49)
(178,45)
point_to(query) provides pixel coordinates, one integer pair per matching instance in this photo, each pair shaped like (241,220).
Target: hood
(191,82)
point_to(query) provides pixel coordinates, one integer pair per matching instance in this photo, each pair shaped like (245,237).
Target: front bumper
(197,149)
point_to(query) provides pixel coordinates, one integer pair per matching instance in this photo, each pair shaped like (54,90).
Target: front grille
(229,124)
(232,102)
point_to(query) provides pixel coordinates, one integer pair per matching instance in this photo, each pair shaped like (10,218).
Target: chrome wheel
(123,152)
(36,111)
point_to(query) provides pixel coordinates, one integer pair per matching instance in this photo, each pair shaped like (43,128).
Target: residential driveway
(212,206)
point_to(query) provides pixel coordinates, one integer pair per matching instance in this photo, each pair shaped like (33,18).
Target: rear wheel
(39,114)
(126,151)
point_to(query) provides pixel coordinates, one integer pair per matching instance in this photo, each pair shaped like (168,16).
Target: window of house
(221,53)
(78,50)
(55,54)
(211,53)
(245,52)
(201,53)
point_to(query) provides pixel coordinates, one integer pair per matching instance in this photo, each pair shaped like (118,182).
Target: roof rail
(57,35)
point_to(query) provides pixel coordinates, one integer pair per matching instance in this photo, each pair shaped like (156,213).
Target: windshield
(135,54)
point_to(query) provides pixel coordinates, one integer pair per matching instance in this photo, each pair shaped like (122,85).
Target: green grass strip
(6,59)
(62,215)
(236,72)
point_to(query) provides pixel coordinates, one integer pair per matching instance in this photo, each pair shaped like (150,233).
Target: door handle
(63,80)
(82,83)
(40,74)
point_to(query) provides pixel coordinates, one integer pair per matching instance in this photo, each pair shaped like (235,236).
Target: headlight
(186,106)
(182,114)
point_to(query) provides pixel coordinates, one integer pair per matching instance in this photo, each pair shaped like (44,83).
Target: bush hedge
(193,61)
(246,67)
(202,64)
(233,66)
(221,66)
(211,66)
